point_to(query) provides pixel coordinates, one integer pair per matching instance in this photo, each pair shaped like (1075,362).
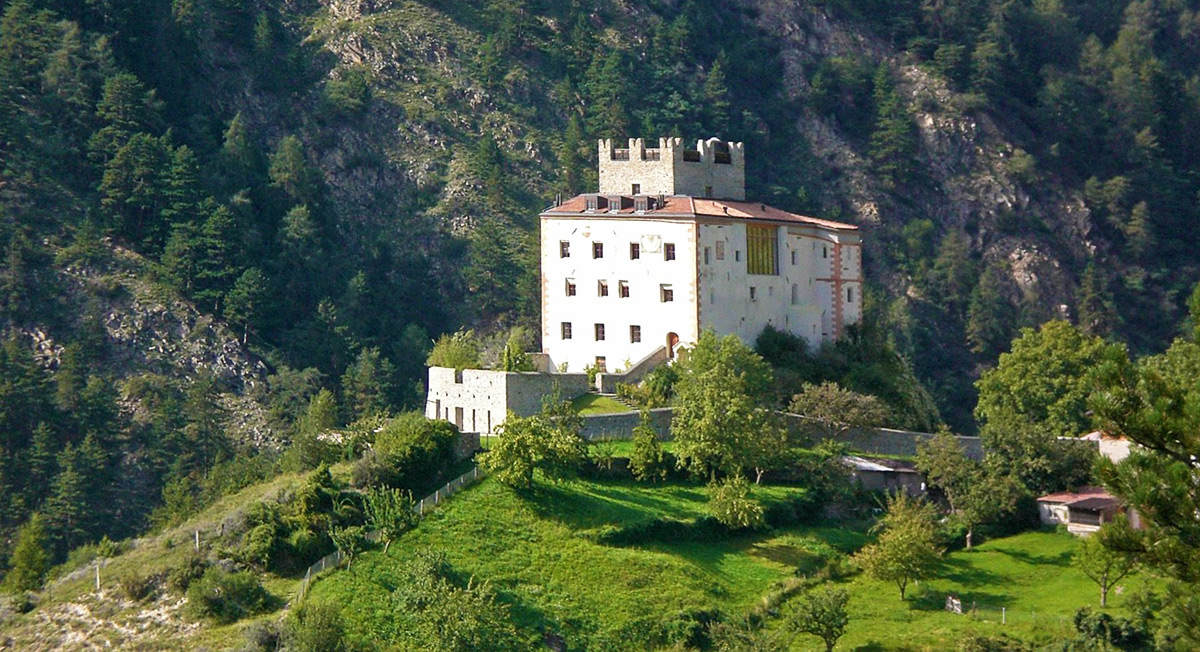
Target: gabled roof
(684,206)
(1068,497)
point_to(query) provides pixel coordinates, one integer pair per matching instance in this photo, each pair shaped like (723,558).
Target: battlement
(714,168)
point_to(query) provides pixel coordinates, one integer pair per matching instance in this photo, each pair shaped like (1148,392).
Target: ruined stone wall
(477,400)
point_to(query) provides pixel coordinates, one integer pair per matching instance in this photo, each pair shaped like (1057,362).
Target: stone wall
(607,382)
(672,168)
(477,400)
(621,424)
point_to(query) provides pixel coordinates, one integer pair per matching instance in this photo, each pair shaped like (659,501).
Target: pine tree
(572,163)
(241,161)
(134,192)
(40,464)
(716,98)
(990,318)
(30,558)
(126,108)
(893,145)
(247,303)
(183,194)
(367,385)
(607,90)
(1096,308)
(66,509)
(291,173)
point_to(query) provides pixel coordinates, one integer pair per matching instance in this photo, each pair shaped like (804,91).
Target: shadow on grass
(1056,560)
(960,571)
(583,505)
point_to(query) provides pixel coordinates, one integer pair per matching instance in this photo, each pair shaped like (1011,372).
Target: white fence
(422,507)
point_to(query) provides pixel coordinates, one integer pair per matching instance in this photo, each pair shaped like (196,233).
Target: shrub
(420,450)
(181,577)
(262,636)
(225,597)
(647,461)
(137,587)
(316,627)
(730,503)
(689,629)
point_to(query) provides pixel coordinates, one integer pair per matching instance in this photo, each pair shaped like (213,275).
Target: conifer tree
(367,385)
(716,98)
(893,145)
(1096,308)
(30,558)
(66,509)
(291,172)
(134,191)
(248,301)
(990,316)
(126,108)
(570,156)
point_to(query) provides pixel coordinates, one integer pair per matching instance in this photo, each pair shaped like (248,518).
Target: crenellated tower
(714,168)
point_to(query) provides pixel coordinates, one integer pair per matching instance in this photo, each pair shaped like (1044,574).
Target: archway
(672,341)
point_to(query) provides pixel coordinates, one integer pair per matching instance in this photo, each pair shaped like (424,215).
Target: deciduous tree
(822,613)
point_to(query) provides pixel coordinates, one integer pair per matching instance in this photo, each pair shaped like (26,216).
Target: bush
(420,450)
(192,569)
(262,637)
(316,627)
(225,597)
(137,587)
(730,503)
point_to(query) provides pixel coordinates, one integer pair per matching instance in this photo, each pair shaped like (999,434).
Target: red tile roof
(1070,497)
(683,206)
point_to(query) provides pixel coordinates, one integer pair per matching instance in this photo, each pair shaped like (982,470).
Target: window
(623,289)
(667,293)
(570,287)
(707,250)
(635,251)
(597,250)
(599,332)
(635,334)
(760,250)
(752,293)
(637,189)
(793,256)
(669,251)
(564,249)
(708,191)
(566,330)
(593,203)
(601,364)
(737,255)
(850,295)
(795,294)
(720,250)
(824,251)
(602,288)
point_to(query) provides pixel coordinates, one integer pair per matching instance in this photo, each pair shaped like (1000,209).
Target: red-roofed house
(1082,511)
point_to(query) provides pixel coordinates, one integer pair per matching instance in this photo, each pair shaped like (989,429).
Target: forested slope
(340,181)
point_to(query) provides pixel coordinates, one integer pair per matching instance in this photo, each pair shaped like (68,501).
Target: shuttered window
(761,255)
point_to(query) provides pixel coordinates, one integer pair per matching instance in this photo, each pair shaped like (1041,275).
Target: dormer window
(597,203)
(641,204)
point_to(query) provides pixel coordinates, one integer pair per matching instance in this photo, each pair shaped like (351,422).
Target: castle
(668,247)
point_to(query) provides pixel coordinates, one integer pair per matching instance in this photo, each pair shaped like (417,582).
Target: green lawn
(598,404)
(537,553)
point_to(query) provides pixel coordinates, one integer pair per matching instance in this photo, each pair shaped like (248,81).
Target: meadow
(542,552)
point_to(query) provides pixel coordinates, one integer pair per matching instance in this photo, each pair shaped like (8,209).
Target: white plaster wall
(724,284)
(645,275)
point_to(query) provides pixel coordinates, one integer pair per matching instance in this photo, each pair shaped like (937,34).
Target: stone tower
(715,168)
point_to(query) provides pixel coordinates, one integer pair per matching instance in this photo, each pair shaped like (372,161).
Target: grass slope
(536,553)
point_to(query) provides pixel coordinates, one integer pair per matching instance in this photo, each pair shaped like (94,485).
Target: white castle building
(667,248)
(670,247)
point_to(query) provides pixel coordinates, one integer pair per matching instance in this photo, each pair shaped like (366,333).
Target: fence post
(1003,616)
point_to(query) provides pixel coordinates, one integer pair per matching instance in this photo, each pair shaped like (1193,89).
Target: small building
(891,476)
(1082,511)
(478,400)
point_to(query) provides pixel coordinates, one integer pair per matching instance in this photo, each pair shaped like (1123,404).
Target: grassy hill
(540,553)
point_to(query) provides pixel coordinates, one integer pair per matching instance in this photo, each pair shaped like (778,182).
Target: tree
(548,442)
(349,540)
(389,512)
(990,316)
(134,191)
(906,549)
(458,351)
(716,97)
(989,496)
(367,385)
(1103,565)
(291,173)
(1097,311)
(730,503)
(838,409)
(945,465)
(248,301)
(30,557)
(647,461)
(513,357)
(722,406)
(893,145)
(1046,379)
(822,613)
